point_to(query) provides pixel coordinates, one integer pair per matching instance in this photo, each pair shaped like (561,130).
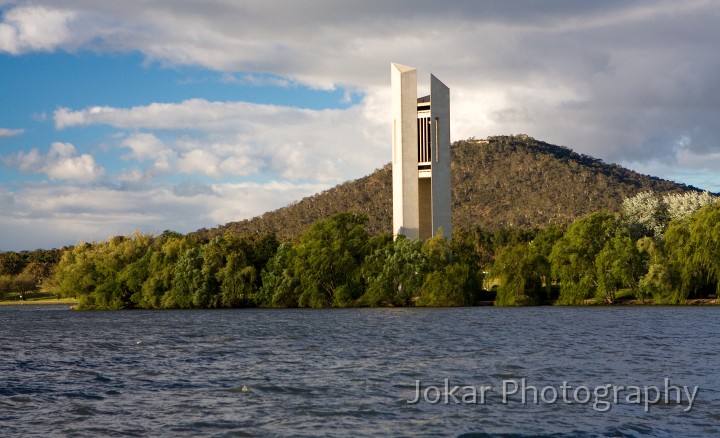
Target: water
(352,372)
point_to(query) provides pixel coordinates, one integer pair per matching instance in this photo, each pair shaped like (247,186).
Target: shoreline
(42,302)
(72,302)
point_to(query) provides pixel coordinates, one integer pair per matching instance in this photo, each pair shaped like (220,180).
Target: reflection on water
(353,371)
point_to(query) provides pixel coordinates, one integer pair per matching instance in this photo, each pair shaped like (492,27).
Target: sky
(153,115)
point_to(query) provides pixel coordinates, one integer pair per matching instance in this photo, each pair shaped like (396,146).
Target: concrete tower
(421,156)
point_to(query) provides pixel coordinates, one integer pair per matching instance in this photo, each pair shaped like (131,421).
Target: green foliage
(166,252)
(394,273)
(573,256)
(705,240)
(21,284)
(105,275)
(23,273)
(448,281)
(11,263)
(692,249)
(679,259)
(521,270)
(337,263)
(170,271)
(328,260)
(619,265)
(280,286)
(662,276)
(189,286)
(446,287)
(323,269)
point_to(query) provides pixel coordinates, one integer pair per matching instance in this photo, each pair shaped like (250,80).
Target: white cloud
(238,165)
(62,214)
(618,80)
(193,114)
(35,28)
(4,132)
(199,161)
(61,162)
(147,147)
(240,138)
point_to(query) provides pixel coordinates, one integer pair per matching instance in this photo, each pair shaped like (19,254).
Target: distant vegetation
(664,249)
(337,263)
(25,272)
(534,224)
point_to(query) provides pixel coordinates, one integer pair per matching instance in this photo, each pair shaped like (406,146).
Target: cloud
(4,132)
(147,147)
(199,161)
(61,162)
(240,139)
(629,82)
(35,28)
(619,80)
(42,215)
(256,80)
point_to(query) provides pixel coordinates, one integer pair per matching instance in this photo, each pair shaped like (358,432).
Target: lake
(472,372)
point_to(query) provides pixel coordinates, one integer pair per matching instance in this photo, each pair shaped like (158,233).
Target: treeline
(336,263)
(26,271)
(662,248)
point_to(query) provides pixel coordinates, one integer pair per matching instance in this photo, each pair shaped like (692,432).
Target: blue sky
(36,85)
(154,115)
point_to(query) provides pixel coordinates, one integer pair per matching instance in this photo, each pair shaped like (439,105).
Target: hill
(501,182)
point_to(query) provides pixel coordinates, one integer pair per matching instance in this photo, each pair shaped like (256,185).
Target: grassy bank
(36,298)
(44,301)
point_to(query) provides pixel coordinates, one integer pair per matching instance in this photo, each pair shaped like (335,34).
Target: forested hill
(501,182)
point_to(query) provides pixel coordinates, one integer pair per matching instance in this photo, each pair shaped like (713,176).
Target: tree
(38,271)
(162,257)
(619,265)
(447,283)
(446,287)
(645,215)
(693,254)
(327,261)
(189,288)
(521,270)
(237,277)
(395,273)
(280,285)
(705,240)
(573,256)
(11,263)
(681,205)
(24,284)
(76,274)
(662,278)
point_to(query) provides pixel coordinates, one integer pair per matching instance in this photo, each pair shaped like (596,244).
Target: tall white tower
(421,156)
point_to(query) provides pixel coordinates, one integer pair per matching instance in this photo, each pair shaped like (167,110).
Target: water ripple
(351,372)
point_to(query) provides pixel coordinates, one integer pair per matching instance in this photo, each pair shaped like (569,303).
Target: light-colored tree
(647,214)
(680,205)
